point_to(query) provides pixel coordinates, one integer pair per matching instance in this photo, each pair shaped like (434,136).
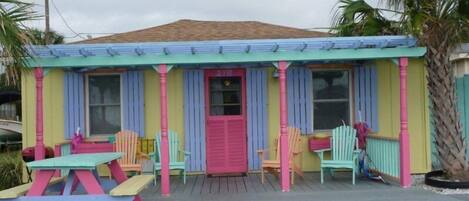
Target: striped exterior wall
(194,119)
(388,110)
(74,111)
(388,113)
(53,107)
(299,95)
(133,101)
(175,101)
(418,112)
(366,99)
(256,88)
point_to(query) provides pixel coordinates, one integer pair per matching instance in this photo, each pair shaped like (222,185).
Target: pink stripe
(284,169)
(39,149)
(405,177)
(165,191)
(40,182)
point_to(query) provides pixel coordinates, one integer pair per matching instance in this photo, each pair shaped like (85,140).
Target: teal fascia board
(175,59)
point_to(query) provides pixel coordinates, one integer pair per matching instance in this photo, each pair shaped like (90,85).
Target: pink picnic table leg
(40,183)
(89,182)
(119,175)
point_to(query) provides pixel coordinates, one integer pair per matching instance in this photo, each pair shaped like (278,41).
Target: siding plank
(73,103)
(366,95)
(194,118)
(257,114)
(133,104)
(299,90)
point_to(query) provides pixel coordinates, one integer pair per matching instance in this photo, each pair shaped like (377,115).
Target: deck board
(202,185)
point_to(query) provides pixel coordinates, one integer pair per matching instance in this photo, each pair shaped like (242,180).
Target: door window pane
(331,99)
(225,95)
(104,103)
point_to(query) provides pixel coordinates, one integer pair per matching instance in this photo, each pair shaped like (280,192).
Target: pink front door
(226,138)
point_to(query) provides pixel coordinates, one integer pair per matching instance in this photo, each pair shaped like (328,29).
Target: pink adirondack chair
(126,142)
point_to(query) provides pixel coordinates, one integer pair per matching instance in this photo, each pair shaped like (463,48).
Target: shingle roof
(192,30)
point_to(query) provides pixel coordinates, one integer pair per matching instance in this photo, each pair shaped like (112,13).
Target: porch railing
(384,155)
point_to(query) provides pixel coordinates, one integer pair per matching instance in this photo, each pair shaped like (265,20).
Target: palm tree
(14,37)
(439,25)
(38,37)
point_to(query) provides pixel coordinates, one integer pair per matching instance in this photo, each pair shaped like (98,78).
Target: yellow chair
(294,153)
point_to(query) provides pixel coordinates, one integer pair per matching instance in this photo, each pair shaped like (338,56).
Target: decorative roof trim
(147,60)
(192,52)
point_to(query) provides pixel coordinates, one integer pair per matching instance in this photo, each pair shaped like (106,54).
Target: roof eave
(149,60)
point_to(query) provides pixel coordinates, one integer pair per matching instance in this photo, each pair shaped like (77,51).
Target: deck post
(165,190)
(39,149)
(405,177)
(284,160)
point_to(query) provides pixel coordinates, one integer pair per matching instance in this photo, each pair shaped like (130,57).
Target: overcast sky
(116,16)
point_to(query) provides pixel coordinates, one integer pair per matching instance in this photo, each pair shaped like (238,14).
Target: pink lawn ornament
(77,139)
(362,132)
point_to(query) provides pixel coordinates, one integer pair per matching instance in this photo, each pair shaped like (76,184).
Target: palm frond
(357,17)
(14,37)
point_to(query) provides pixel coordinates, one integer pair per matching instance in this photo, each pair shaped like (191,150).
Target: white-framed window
(103,104)
(332,104)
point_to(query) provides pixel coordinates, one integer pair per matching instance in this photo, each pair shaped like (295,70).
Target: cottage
(227,88)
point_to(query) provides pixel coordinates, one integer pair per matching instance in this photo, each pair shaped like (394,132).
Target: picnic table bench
(82,169)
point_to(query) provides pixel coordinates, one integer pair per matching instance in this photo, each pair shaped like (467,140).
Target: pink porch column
(165,191)
(39,149)
(405,177)
(284,164)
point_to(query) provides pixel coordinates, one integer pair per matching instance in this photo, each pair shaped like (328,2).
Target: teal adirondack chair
(344,151)
(177,161)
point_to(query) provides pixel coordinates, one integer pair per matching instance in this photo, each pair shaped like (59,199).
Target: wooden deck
(201,184)
(249,188)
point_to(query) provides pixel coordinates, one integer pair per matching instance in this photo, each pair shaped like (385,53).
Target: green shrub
(11,170)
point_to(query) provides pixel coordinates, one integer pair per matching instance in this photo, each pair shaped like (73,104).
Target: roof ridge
(190,30)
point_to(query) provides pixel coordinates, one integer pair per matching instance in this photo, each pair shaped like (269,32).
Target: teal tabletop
(75,161)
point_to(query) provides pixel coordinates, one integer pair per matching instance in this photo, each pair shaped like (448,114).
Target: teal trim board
(315,55)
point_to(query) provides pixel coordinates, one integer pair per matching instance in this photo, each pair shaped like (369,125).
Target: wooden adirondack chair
(126,142)
(344,154)
(177,161)
(294,152)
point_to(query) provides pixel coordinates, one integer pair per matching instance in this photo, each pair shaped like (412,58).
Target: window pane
(328,115)
(331,85)
(104,89)
(225,96)
(104,104)
(105,120)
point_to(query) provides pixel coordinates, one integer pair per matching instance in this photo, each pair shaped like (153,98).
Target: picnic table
(82,169)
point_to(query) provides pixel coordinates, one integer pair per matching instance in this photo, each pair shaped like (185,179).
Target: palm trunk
(450,144)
